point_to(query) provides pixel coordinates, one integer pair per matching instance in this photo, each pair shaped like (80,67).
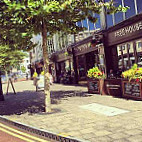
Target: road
(11,134)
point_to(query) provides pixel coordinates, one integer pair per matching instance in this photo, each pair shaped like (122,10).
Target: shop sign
(129,29)
(82,48)
(132,89)
(124,34)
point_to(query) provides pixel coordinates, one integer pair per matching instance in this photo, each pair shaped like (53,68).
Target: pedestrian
(26,76)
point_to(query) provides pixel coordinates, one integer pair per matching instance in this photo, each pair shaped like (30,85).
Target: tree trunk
(46,69)
(1,92)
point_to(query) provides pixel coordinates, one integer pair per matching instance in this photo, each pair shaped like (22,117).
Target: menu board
(132,89)
(93,86)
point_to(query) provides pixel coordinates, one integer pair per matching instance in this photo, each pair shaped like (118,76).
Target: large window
(85,23)
(81,67)
(109,19)
(139,52)
(98,23)
(126,56)
(130,12)
(79,24)
(91,25)
(118,16)
(129,53)
(139,5)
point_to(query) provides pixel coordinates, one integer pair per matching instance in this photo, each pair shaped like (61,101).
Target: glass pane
(130,12)
(139,52)
(91,26)
(81,67)
(97,24)
(118,16)
(109,21)
(79,24)
(85,23)
(120,61)
(131,54)
(139,5)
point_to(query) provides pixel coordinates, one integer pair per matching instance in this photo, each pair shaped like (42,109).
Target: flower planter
(113,87)
(95,86)
(132,89)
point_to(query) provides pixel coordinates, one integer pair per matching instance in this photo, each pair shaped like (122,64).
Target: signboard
(126,33)
(132,89)
(40,83)
(113,87)
(94,87)
(82,48)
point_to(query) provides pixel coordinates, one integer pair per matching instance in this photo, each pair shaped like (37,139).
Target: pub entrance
(85,62)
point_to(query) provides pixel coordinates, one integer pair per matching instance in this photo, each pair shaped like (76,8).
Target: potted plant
(94,80)
(132,82)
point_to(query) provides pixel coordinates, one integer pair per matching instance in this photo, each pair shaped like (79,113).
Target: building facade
(119,48)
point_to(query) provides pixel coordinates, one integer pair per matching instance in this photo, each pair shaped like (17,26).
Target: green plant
(23,69)
(95,73)
(133,73)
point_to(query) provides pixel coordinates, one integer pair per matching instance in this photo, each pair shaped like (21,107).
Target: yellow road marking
(63,134)
(22,133)
(16,135)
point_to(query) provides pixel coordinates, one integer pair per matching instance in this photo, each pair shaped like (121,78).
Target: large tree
(49,16)
(10,58)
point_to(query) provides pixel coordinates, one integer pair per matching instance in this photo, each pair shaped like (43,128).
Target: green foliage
(95,73)
(58,15)
(10,58)
(23,69)
(133,73)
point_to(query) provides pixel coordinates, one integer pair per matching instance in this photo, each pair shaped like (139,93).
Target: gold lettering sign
(82,47)
(128,30)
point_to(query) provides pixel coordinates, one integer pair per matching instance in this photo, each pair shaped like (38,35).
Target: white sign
(130,29)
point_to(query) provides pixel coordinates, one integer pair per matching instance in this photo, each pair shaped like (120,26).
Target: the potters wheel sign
(102,109)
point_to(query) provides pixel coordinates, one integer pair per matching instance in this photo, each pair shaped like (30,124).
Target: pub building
(63,66)
(123,48)
(80,57)
(120,48)
(87,54)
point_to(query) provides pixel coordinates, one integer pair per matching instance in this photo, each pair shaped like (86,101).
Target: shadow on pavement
(33,102)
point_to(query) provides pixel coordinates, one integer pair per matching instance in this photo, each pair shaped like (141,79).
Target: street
(76,113)
(9,134)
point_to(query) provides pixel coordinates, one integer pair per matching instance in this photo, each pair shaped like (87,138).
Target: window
(91,25)
(109,20)
(81,67)
(139,6)
(139,52)
(85,23)
(79,24)
(118,16)
(97,24)
(130,12)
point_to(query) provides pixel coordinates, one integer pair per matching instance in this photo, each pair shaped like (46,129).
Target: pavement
(76,113)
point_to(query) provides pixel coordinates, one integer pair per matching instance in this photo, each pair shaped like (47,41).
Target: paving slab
(121,119)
